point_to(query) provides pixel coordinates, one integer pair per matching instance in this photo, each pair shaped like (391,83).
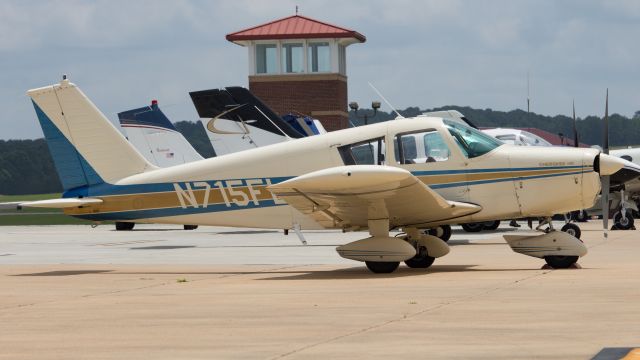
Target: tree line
(26,167)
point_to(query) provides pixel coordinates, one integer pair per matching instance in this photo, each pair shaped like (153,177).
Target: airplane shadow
(149,230)
(361,272)
(65,273)
(356,272)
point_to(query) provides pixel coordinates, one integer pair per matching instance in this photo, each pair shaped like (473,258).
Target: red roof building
(295,27)
(298,64)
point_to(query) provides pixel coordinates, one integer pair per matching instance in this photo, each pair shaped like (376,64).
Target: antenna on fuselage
(386,101)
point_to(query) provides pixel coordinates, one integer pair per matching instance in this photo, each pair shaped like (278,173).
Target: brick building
(298,64)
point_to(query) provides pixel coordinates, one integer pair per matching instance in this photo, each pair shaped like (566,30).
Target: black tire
(473,227)
(492,225)
(443,232)
(572,229)
(623,224)
(380,267)
(190,227)
(580,216)
(422,260)
(560,262)
(124,226)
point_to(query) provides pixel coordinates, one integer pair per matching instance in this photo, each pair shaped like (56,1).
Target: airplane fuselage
(231,190)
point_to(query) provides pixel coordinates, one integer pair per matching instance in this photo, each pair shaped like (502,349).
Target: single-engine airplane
(354,179)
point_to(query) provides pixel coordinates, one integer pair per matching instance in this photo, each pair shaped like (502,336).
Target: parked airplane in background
(157,139)
(236,120)
(352,179)
(517,137)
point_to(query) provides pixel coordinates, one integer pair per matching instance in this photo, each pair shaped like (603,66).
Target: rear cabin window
(420,147)
(369,152)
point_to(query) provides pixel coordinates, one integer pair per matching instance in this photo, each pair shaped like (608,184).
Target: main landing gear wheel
(124,226)
(422,260)
(443,232)
(572,229)
(492,225)
(560,262)
(621,223)
(473,227)
(380,267)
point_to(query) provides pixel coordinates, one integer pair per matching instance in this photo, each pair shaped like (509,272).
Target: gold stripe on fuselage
(170,199)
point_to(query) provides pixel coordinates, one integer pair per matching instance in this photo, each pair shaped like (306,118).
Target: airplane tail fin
(155,137)
(240,105)
(86,148)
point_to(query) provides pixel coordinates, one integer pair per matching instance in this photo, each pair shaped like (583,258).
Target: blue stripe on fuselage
(109,189)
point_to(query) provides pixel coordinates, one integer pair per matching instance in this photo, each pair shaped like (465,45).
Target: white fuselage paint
(513,196)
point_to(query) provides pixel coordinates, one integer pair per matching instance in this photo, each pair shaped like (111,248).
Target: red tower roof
(294,27)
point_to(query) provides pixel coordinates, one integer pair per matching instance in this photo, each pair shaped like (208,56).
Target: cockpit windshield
(472,142)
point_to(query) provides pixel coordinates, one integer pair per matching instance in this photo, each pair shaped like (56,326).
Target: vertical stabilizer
(103,153)
(155,137)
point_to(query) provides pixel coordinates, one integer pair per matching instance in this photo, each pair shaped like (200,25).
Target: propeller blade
(576,143)
(605,206)
(605,143)
(605,179)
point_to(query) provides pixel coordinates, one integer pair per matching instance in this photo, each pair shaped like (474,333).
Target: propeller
(576,143)
(605,178)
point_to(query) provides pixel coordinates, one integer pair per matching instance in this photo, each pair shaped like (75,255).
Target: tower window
(319,57)
(293,58)
(266,59)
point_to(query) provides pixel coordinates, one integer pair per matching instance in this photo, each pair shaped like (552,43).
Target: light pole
(375,105)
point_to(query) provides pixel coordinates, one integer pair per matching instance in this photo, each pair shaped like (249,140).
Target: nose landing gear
(559,249)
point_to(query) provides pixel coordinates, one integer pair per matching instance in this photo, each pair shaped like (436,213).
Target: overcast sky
(418,53)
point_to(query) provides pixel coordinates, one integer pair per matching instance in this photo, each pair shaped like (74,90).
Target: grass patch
(181,280)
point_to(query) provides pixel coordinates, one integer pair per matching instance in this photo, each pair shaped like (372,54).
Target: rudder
(103,154)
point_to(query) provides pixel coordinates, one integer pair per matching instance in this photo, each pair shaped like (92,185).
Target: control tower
(298,64)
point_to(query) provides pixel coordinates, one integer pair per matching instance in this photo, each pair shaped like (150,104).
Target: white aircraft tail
(82,141)
(155,137)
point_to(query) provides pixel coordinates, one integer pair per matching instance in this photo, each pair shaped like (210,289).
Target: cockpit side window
(423,146)
(369,152)
(472,143)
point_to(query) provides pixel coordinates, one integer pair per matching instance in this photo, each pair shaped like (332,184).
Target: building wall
(323,96)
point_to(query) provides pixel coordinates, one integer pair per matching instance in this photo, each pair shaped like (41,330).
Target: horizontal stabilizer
(52,203)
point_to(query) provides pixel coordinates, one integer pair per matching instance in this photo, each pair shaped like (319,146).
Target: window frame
(310,57)
(266,44)
(282,45)
(398,140)
(346,153)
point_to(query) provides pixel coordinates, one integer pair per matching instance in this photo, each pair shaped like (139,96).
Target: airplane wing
(349,196)
(51,204)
